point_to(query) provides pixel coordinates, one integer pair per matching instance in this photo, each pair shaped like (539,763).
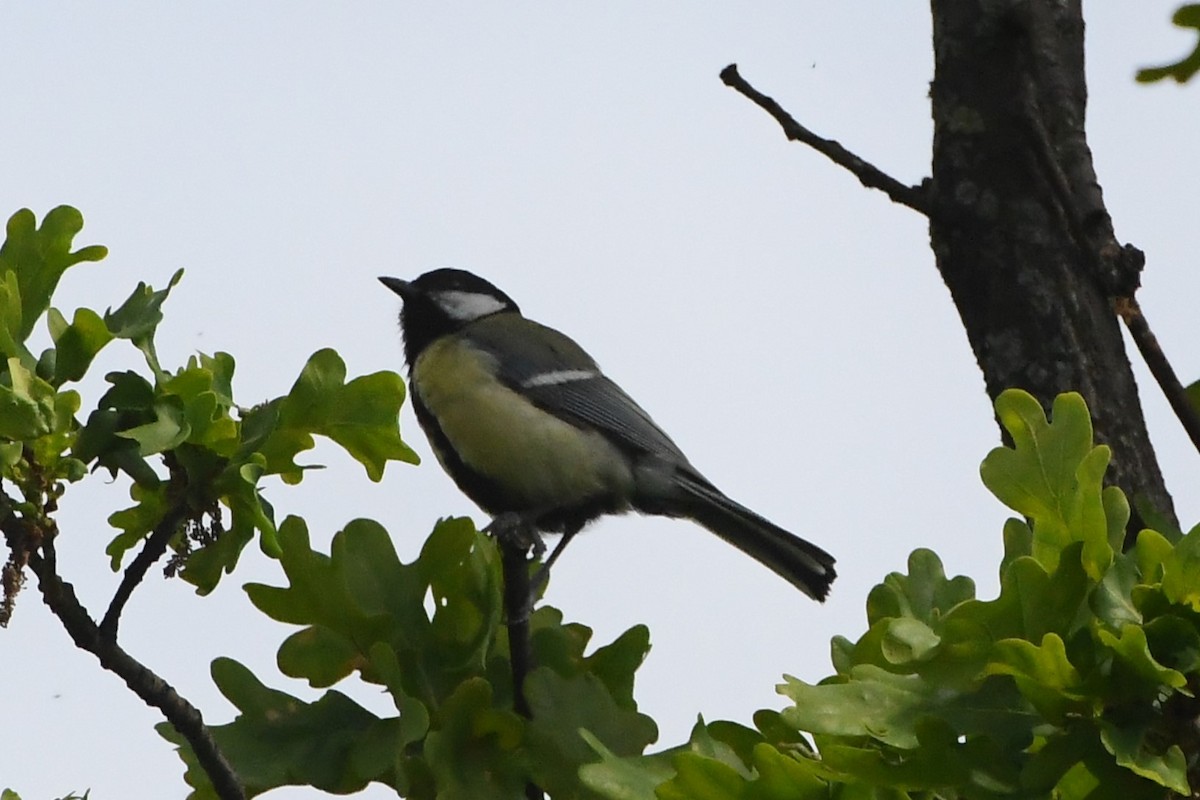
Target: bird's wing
(557,375)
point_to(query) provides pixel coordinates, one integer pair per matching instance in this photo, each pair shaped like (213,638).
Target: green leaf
(614,664)
(702,745)
(127,404)
(236,486)
(1032,603)
(98,440)
(1133,653)
(76,344)
(48,449)
(1174,642)
(1181,571)
(168,430)
(1186,16)
(362,416)
(37,257)
(561,708)
(924,594)
(203,391)
(1053,475)
(1018,542)
(783,776)
(1056,757)
(12,343)
(137,521)
(1043,673)
(473,756)
(364,595)
(624,778)
(138,317)
(1116,514)
(700,778)
(27,404)
(891,708)
(935,765)
(320,655)
(414,715)
(1112,601)
(332,744)
(1132,748)
(1152,552)
(909,640)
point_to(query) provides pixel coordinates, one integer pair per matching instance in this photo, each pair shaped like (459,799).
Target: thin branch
(1160,367)
(517,602)
(152,551)
(868,174)
(60,597)
(516,539)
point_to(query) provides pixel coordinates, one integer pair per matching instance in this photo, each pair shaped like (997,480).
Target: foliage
(1186,16)
(186,447)
(1078,680)
(431,634)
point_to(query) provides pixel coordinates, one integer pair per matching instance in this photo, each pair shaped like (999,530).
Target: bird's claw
(513,530)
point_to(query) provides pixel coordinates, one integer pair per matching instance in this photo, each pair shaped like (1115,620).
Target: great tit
(530,429)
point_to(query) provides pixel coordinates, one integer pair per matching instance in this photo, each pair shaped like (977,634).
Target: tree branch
(868,174)
(1160,367)
(516,538)
(152,550)
(186,718)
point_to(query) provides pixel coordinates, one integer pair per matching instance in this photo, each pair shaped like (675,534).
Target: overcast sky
(785,325)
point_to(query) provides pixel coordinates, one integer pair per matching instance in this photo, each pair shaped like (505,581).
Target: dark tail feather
(803,564)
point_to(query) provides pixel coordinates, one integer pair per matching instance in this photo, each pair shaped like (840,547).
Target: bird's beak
(400,287)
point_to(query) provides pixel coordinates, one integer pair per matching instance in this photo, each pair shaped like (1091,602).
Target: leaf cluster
(430,634)
(1078,680)
(187,448)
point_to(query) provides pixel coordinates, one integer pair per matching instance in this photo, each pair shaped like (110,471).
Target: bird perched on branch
(527,425)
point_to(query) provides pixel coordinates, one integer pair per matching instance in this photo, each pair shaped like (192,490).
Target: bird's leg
(519,531)
(543,574)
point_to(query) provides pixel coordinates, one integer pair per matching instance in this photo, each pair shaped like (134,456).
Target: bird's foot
(515,531)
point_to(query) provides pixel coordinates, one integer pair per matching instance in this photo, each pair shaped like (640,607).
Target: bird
(534,433)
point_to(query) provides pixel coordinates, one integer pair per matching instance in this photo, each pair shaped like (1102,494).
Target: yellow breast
(542,461)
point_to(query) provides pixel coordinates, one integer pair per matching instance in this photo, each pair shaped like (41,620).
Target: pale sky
(787,327)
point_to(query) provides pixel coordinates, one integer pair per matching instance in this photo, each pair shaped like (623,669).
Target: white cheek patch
(466,306)
(559,376)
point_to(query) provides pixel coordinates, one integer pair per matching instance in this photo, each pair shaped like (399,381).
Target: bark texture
(1018,223)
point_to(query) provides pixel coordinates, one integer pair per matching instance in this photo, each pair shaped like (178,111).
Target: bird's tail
(803,564)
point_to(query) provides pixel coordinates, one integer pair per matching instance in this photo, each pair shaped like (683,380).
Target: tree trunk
(1018,224)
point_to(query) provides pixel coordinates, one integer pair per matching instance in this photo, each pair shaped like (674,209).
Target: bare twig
(516,539)
(60,597)
(34,538)
(517,607)
(152,550)
(868,174)
(1160,367)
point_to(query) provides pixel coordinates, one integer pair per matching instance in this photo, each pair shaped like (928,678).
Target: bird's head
(441,302)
